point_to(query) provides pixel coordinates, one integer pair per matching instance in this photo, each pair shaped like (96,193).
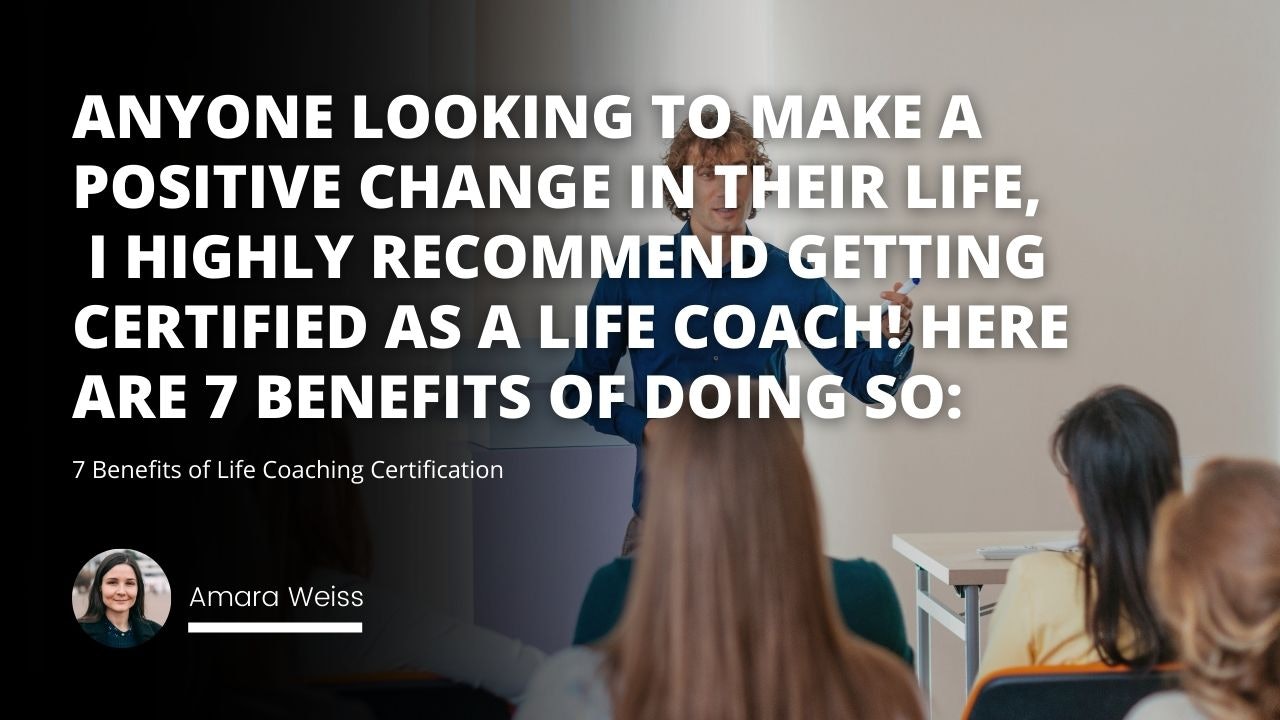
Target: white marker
(907,286)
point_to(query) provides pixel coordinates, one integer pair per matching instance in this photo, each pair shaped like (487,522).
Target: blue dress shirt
(777,284)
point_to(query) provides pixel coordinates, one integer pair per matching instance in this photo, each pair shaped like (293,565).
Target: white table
(953,559)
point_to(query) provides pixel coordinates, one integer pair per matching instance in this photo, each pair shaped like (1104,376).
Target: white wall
(1149,131)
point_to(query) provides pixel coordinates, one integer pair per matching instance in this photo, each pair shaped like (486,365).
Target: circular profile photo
(121,598)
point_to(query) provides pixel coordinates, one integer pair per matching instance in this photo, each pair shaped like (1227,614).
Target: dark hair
(97,610)
(1119,450)
(738,134)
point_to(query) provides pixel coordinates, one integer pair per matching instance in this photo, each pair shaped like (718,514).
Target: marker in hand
(907,286)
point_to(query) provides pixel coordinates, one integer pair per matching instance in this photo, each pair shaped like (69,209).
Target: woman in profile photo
(117,598)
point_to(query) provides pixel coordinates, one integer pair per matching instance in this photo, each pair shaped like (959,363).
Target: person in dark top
(854,360)
(117,598)
(864,596)
(731,612)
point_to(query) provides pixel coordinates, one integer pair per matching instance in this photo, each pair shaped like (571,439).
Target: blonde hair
(731,615)
(1215,572)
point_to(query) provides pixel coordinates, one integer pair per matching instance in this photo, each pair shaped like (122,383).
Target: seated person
(864,596)
(731,612)
(1119,452)
(866,599)
(1215,574)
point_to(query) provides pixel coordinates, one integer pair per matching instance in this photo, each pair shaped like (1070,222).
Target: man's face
(709,214)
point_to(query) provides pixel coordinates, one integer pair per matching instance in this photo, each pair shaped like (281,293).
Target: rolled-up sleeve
(856,363)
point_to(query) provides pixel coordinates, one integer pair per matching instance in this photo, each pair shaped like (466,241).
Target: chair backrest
(1097,692)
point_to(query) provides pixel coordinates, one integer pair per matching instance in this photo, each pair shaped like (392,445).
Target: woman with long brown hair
(731,615)
(116,616)
(1215,572)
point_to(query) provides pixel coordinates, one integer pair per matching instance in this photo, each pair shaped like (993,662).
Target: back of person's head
(1215,571)
(731,613)
(1119,450)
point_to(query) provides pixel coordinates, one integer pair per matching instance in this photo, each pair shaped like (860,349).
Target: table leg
(922,639)
(972,617)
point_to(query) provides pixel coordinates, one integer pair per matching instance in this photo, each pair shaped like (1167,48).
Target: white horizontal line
(275,627)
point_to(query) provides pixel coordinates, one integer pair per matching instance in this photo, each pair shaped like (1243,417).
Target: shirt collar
(688,230)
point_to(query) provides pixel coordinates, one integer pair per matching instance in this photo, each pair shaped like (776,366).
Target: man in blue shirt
(777,284)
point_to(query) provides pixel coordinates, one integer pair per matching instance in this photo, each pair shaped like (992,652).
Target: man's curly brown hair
(685,142)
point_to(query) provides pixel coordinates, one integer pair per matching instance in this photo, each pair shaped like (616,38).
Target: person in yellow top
(1119,452)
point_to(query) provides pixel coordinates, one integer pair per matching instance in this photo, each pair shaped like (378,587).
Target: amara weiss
(297,597)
